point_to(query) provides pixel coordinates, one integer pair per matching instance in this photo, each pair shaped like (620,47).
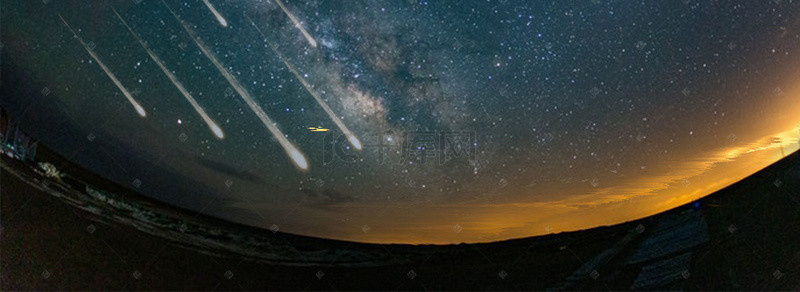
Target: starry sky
(565,115)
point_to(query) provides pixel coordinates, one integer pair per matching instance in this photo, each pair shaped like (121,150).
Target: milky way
(495,119)
(349,134)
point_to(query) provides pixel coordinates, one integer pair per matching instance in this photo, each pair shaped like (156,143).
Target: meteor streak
(297,157)
(350,136)
(211,124)
(308,36)
(219,17)
(139,108)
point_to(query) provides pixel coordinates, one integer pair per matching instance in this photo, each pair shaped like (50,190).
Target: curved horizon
(450,122)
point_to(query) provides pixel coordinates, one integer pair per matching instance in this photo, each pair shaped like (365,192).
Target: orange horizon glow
(626,200)
(603,207)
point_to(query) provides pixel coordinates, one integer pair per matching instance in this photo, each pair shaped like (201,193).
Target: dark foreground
(81,232)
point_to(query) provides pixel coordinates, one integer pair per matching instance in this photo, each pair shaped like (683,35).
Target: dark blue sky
(560,98)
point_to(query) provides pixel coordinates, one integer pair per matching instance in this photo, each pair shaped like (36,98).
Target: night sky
(567,115)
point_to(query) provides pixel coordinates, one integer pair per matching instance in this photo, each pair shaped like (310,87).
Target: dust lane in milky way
(352,138)
(550,109)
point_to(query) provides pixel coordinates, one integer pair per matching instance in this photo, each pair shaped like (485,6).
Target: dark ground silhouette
(744,237)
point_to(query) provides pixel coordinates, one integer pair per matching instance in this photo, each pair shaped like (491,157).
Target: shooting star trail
(297,24)
(211,124)
(219,17)
(139,108)
(297,157)
(349,134)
